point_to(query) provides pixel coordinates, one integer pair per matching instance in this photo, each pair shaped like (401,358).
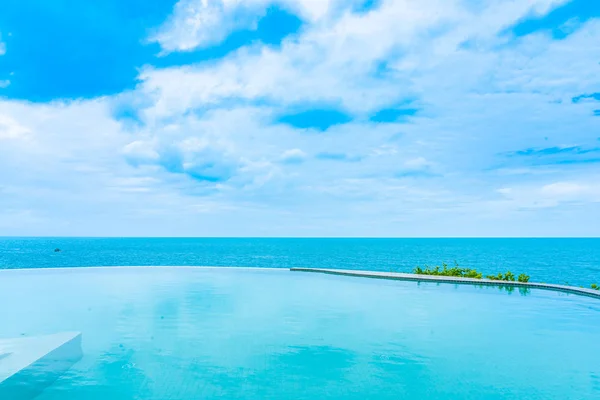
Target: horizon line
(289,237)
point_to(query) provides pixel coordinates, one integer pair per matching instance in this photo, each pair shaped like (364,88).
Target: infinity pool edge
(353,273)
(449,279)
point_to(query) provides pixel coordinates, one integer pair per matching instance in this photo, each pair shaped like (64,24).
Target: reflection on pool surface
(185,333)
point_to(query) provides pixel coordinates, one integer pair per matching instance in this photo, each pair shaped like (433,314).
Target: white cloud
(572,190)
(293,156)
(208,159)
(201,23)
(141,152)
(417,163)
(335,62)
(556,194)
(11,129)
(563,189)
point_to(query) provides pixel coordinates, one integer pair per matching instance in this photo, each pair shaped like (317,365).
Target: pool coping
(345,272)
(450,279)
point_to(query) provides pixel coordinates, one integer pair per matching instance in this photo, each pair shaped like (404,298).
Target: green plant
(507,277)
(455,271)
(498,277)
(595,286)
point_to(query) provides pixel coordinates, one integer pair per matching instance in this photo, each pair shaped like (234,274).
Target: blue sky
(300,118)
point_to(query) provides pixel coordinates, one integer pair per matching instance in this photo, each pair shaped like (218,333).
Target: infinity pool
(197,333)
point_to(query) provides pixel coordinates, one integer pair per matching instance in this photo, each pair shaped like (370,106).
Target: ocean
(564,261)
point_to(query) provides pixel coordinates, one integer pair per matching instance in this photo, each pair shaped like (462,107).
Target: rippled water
(159,333)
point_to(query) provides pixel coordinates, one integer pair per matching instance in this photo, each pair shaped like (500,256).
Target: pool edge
(140,267)
(448,279)
(353,273)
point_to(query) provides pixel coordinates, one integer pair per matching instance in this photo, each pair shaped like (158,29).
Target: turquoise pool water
(185,333)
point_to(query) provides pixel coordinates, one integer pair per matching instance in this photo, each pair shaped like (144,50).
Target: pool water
(196,333)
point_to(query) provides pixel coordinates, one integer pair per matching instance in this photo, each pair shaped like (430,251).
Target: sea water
(572,261)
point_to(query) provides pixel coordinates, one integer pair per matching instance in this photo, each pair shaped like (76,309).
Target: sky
(360,118)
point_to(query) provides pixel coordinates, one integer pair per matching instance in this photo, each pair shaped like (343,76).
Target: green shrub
(455,271)
(595,287)
(498,277)
(471,273)
(509,276)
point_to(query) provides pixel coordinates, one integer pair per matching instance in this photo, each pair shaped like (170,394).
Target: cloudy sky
(300,118)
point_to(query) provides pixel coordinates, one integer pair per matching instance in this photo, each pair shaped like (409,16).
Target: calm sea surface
(573,261)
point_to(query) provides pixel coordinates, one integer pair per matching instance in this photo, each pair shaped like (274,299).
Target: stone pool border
(451,279)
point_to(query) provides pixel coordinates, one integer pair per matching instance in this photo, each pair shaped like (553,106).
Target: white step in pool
(29,364)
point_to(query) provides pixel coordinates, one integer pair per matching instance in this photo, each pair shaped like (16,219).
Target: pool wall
(450,279)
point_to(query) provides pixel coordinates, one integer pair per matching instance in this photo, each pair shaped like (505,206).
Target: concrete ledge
(450,279)
(30,364)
